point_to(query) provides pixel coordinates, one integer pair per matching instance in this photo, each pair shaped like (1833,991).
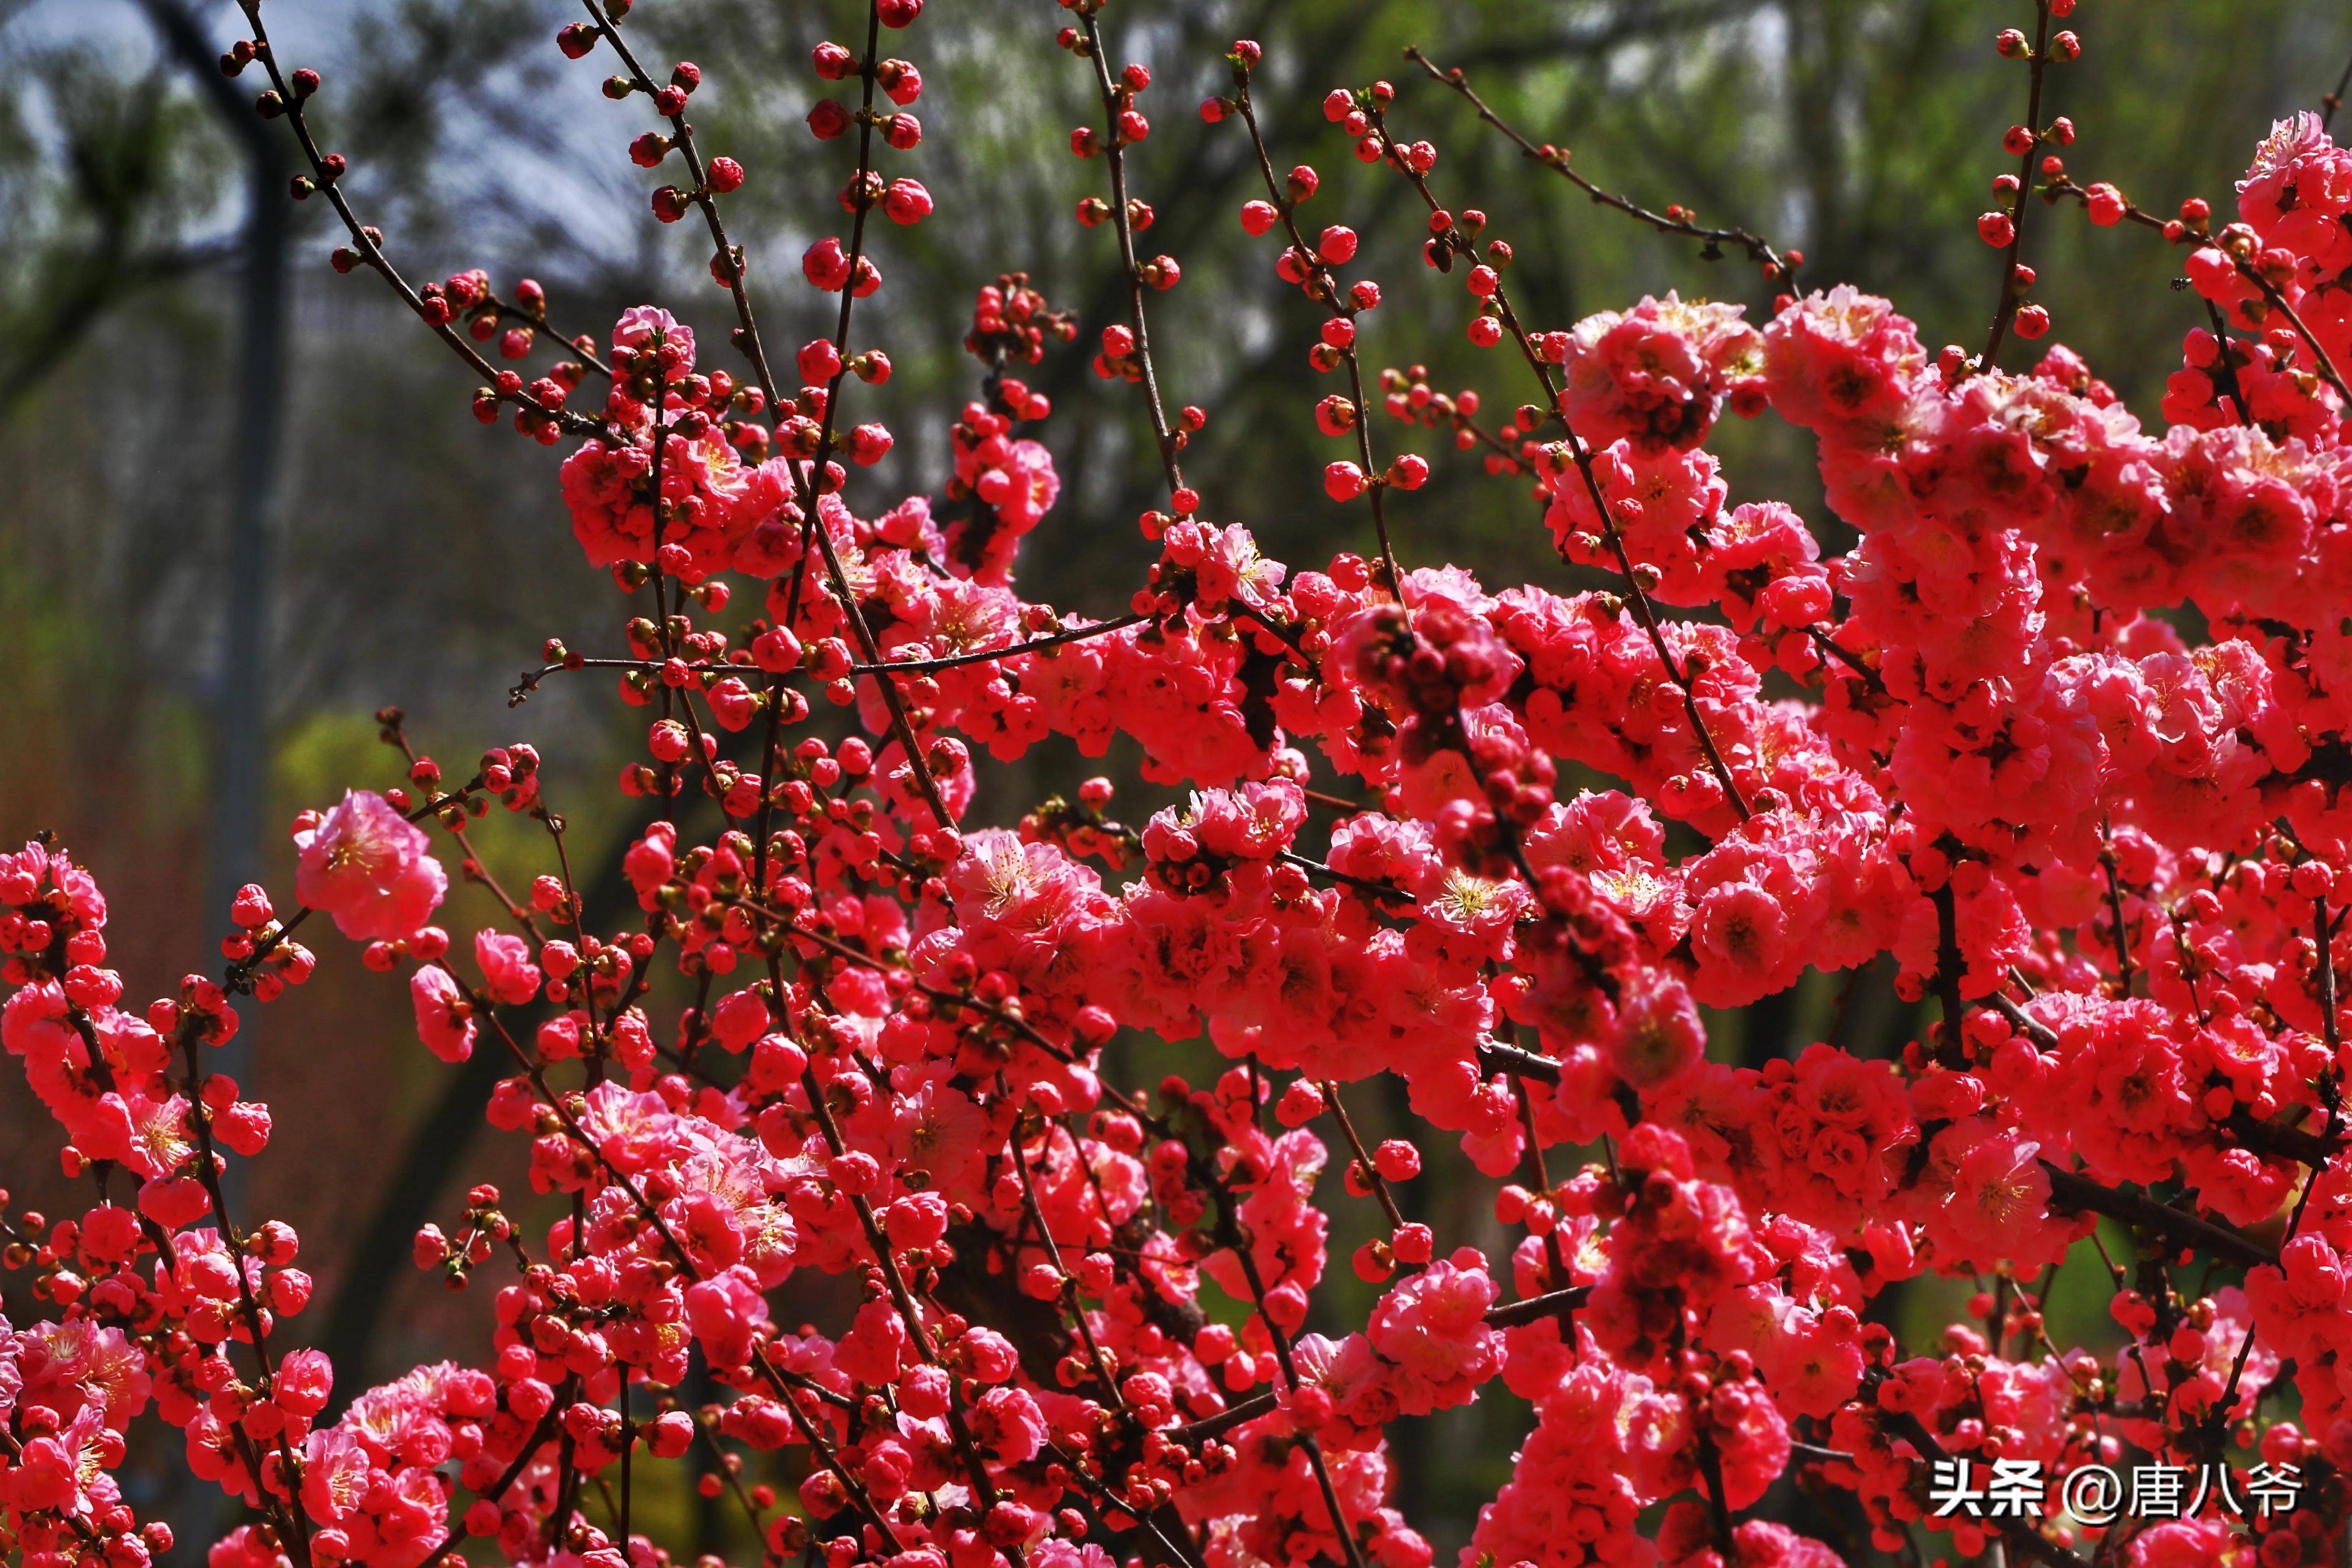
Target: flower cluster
(1506,844)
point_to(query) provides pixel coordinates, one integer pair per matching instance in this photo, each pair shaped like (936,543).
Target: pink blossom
(370,869)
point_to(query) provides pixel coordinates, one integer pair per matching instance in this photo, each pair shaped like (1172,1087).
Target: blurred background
(246,503)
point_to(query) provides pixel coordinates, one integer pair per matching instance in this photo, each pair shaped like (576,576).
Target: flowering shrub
(2111,852)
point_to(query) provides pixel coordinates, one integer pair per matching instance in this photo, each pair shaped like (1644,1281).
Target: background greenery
(422,559)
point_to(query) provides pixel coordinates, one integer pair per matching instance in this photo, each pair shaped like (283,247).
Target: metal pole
(241,741)
(241,732)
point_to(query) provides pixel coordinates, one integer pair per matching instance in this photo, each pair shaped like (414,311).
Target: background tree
(1856,131)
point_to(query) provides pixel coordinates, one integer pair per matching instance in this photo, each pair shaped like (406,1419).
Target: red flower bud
(1343,482)
(906,202)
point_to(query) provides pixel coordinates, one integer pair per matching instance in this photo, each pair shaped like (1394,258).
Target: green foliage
(1864,132)
(1867,132)
(106,176)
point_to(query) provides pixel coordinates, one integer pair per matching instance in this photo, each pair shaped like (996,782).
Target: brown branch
(2024,1022)
(531,678)
(824,1450)
(1379,890)
(2063,185)
(2282,1140)
(1582,456)
(2335,100)
(987,655)
(1225,1420)
(1115,157)
(532,1445)
(1950,964)
(1321,286)
(1230,1234)
(1776,266)
(959,1428)
(582,346)
(486,1011)
(2071,1191)
(2115,913)
(2007,310)
(2319,353)
(1363,1158)
(807,484)
(1495,1057)
(1178,1549)
(1510,1315)
(369,243)
(2230,385)
(1068,1300)
(1719,1511)
(1535,1309)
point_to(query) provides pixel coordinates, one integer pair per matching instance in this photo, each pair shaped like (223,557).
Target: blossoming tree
(852,1032)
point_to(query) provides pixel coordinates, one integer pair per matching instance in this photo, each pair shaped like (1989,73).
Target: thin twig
(498,1489)
(1381,891)
(1363,1158)
(2009,295)
(2070,1191)
(369,242)
(2335,100)
(1581,455)
(808,482)
(2278,301)
(989,656)
(1777,266)
(2228,378)
(1114,156)
(1321,286)
(529,681)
